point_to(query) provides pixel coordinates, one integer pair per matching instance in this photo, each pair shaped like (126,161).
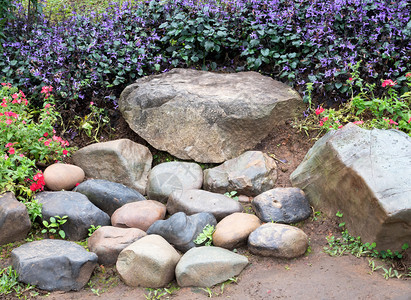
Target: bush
(27,141)
(98,54)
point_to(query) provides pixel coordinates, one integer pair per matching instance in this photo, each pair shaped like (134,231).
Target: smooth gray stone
(108,195)
(206,266)
(196,201)
(181,230)
(168,177)
(80,211)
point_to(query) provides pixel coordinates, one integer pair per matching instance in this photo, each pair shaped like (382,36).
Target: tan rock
(150,262)
(233,230)
(108,241)
(61,176)
(140,214)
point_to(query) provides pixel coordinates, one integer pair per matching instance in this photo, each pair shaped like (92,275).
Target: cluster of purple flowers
(297,41)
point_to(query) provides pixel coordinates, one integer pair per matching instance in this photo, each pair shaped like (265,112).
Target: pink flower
(11,150)
(6,156)
(47,143)
(65,152)
(408,75)
(9,145)
(340,126)
(388,82)
(45,134)
(321,123)
(409,121)
(350,79)
(91,103)
(9,121)
(358,122)
(393,122)
(21,155)
(47,105)
(325,119)
(4,104)
(319,110)
(77,183)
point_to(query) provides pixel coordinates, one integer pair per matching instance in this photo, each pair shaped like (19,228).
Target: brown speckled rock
(278,240)
(63,176)
(233,230)
(140,214)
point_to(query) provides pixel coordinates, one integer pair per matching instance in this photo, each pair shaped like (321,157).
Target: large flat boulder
(53,265)
(207,117)
(366,175)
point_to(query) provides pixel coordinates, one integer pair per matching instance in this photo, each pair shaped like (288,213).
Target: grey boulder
(282,205)
(167,177)
(251,173)
(204,116)
(366,175)
(181,230)
(53,264)
(14,219)
(122,161)
(108,195)
(278,240)
(80,212)
(207,266)
(196,201)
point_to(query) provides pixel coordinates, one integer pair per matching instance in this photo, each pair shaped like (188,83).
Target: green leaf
(265,52)
(338,85)
(208,45)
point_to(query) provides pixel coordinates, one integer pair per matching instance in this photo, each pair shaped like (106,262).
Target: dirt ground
(316,275)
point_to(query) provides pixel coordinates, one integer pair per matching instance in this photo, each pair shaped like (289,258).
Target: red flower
(321,123)
(350,79)
(65,152)
(388,82)
(409,121)
(11,150)
(358,122)
(45,134)
(393,122)
(325,119)
(408,75)
(319,110)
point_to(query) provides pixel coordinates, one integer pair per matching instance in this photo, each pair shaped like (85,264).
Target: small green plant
(232,195)
(153,294)
(92,229)
(94,122)
(390,273)
(53,226)
(205,237)
(9,283)
(316,215)
(33,209)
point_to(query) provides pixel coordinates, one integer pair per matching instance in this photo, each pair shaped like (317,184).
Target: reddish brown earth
(316,275)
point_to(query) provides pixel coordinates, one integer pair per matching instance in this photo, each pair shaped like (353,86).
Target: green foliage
(33,209)
(28,139)
(92,229)
(211,293)
(9,283)
(153,294)
(365,109)
(94,122)
(232,195)
(53,226)
(205,237)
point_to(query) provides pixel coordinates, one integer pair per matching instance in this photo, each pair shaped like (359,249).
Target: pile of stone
(151,238)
